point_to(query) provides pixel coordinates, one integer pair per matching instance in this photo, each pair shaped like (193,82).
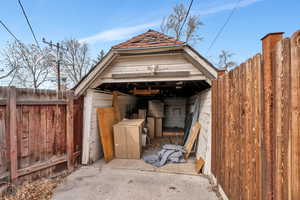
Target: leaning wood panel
(106,120)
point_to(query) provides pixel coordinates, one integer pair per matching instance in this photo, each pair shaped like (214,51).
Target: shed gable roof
(149,42)
(150,38)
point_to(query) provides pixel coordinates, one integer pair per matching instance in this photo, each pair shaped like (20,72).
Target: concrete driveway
(105,182)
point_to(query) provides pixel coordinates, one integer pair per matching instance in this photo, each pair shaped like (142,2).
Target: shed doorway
(171,124)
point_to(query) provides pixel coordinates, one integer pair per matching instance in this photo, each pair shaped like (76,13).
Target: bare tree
(99,57)
(28,65)
(175,25)
(76,61)
(225,61)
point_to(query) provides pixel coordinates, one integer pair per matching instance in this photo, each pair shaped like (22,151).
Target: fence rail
(239,153)
(37,136)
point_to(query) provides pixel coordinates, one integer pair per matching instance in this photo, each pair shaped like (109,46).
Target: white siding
(147,64)
(204,140)
(96,100)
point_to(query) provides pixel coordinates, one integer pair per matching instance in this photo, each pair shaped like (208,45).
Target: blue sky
(105,23)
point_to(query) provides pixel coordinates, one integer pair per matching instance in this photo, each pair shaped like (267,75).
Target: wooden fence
(238,136)
(37,133)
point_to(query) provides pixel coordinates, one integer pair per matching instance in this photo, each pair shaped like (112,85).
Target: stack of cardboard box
(154,119)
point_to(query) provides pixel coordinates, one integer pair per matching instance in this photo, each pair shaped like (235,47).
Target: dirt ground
(134,180)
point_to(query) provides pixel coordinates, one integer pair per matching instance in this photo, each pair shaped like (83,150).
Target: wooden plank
(192,138)
(257,125)
(106,120)
(213,126)
(295,116)
(41,102)
(248,121)
(31,138)
(259,129)
(242,132)
(226,154)
(43,134)
(221,128)
(281,62)
(40,166)
(70,132)
(3,142)
(13,133)
(199,163)
(252,131)
(268,142)
(235,135)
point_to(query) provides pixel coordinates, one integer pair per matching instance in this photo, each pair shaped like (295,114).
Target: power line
(224,25)
(28,22)
(7,29)
(187,14)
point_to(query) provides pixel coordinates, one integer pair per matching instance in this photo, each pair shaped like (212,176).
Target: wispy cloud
(116,34)
(228,6)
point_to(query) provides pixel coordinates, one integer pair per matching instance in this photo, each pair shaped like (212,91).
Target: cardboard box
(151,126)
(156,108)
(158,127)
(128,138)
(135,116)
(142,114)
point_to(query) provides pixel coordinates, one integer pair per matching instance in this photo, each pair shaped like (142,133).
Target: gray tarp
(169,153)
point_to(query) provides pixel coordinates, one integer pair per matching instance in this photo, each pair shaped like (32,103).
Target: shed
(150,61)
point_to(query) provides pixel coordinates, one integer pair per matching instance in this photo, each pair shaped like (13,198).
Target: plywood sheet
(106,120)
(192,138)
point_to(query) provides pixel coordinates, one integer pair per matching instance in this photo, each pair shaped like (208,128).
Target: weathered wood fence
(245,163)
(38,136)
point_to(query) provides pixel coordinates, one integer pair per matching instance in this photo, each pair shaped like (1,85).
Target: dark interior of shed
(157,90)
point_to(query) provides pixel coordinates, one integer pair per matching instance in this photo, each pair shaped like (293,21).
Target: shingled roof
(149,39)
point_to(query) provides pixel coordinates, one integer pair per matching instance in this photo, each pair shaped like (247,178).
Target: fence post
(268,43)
(70,131)
(12,123)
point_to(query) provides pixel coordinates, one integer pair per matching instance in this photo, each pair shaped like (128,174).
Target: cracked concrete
(106,182)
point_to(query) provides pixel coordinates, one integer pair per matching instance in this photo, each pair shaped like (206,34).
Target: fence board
(3,142)
(295,115)
(34,125)
(246,159)
(281,112)
(237,130)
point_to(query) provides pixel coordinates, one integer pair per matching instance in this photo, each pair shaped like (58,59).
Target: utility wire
(224,25)
(187,14)
(7,29)
(28,22)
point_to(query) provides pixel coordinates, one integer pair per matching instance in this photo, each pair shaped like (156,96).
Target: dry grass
(37,190)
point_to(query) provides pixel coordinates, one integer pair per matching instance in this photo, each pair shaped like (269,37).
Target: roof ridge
(150,38)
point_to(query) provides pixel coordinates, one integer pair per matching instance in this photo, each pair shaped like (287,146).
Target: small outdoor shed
(150,60)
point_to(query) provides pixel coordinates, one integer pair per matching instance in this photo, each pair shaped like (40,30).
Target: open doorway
(168,110)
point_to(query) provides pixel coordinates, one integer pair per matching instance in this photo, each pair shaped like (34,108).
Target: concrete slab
(103,182)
